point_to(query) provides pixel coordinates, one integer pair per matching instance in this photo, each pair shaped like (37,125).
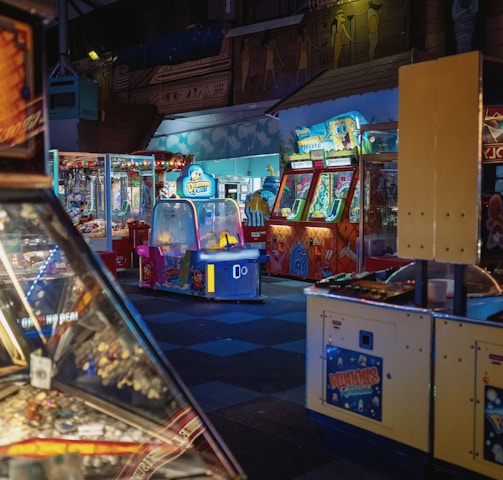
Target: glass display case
(379,163)
(79,183)
(132,188)
(84,390)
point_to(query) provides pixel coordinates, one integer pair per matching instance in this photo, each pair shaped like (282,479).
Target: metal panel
(394,340)
(468,366)
(440,120)
(416,160)
(459,144)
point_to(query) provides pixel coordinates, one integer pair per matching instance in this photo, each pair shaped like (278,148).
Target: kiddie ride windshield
(197,247)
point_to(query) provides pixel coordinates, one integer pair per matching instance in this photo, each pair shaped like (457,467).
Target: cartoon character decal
(172,275)
(494,222)
(197,285)
(195,173)
(326,270)
(344,132)
(148,277)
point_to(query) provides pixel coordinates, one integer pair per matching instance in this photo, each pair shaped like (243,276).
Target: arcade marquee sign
(493,152)
(492,134)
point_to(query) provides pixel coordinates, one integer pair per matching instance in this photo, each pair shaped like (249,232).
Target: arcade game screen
(296,187)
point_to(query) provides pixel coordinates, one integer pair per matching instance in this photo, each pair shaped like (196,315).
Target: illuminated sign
(49,320)
(337,134)
(336,162)
(493,152)
(195,182)
(301,164)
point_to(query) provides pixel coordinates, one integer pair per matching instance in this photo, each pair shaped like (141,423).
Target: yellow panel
(459,114)
(440,121)
(210,278)
(416,160)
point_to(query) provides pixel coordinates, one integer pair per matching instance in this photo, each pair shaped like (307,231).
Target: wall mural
(273,63)
(264,65)
(464,14)
(230,141)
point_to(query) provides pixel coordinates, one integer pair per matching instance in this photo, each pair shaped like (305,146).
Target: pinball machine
(85,392)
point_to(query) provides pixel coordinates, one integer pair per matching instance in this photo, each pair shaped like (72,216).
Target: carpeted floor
(244,363)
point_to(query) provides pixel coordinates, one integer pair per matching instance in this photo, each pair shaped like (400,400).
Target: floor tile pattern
(244,363)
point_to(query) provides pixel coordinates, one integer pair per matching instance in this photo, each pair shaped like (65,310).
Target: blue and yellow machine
(196,246)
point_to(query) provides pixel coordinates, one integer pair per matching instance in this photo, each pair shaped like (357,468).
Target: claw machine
(109,198)
(197,244)
(377,243)
(314,225)
(132,197)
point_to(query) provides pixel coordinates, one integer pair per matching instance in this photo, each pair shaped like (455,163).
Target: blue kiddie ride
(196,246)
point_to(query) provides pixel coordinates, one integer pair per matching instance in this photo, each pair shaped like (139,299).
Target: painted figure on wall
(464,13)
(302,54)
(373,21)
(303,45)
(270,44)
(245,62)
(338,28)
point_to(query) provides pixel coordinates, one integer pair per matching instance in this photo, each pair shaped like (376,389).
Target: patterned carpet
(244,363)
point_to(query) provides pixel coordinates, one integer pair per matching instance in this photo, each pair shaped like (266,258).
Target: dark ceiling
(78,8)
(48,9)
(110,25)
(113,25)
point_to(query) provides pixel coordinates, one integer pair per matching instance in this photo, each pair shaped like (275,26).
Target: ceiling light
(93,55)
